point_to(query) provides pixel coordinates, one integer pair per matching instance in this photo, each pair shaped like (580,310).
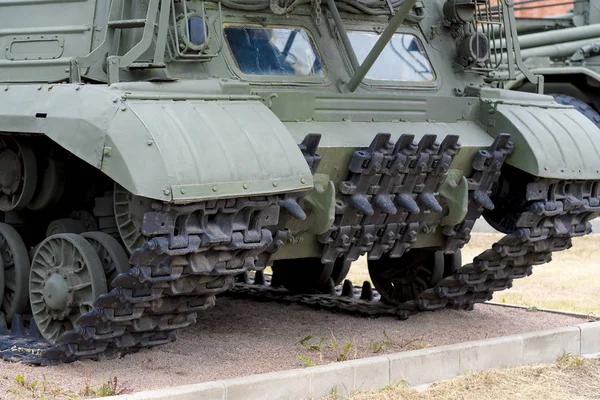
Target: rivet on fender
(166,192)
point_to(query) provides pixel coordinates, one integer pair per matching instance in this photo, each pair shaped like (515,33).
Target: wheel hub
(10,171)
(57,296)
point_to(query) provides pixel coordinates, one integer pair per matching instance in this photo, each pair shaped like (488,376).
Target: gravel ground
(243,337)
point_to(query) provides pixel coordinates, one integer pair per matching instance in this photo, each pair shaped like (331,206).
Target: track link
(555,211)
(193,254)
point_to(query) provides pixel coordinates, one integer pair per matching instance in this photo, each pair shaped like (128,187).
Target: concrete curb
(415,368)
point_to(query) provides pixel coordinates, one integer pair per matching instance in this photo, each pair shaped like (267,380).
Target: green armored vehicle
(153,152)
(565,50)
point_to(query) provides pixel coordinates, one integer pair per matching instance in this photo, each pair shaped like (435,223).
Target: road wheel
(579,105)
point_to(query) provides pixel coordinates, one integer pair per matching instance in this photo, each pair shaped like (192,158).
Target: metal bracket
(153,20)
(513,45)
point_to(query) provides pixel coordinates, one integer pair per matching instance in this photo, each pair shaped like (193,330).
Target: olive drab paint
(303,136)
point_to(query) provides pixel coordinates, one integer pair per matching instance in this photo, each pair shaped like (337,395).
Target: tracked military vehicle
(565,50)
(153,152)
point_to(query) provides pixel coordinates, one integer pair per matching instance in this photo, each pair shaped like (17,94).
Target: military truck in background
(565,50)
(152,152)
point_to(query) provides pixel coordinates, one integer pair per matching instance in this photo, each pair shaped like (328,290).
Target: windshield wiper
(360,71)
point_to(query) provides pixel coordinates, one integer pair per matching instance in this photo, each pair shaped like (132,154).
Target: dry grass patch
(22,387)
(568,378)
(570,282)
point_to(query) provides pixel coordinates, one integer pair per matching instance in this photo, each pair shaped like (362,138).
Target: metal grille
(179,48)
(483,43)
(490,23)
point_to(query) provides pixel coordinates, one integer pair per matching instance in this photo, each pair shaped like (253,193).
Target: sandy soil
(242,337)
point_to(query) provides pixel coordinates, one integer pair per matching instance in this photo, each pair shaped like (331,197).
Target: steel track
(196,251)
(555,212)
(175,276)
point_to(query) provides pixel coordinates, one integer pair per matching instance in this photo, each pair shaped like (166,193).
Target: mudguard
(172,145)
(551,141)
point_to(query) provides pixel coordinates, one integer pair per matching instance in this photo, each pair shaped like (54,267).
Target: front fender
(178,147)
(198,150)
(551,141)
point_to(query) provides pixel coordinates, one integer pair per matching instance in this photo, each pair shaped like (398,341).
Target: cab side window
(402,60)
(273,51)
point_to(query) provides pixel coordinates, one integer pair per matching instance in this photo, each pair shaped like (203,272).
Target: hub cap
(56,294)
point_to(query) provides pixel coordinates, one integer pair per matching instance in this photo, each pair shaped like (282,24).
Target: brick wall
(542,12)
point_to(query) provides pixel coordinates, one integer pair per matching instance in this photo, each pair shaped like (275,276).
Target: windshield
(403,59)
(273,51)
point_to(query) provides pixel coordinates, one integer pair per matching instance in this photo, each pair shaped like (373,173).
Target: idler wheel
(510,199)
(18,175)
(129,213)
(15,262)
(66,277)
(308,275)
(112,255)
(399,280)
